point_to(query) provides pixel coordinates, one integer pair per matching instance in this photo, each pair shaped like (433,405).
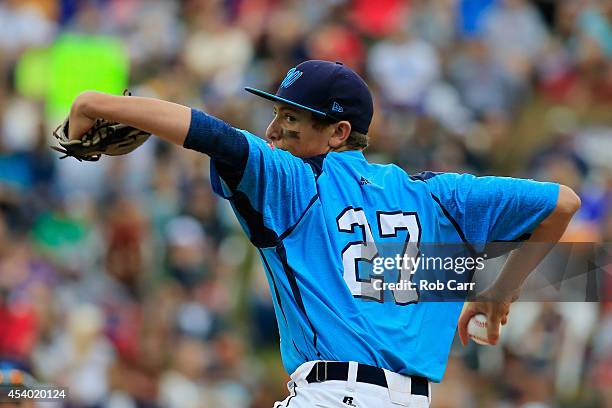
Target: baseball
(477,329)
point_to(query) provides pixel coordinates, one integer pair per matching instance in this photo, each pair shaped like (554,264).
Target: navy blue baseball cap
(328,89)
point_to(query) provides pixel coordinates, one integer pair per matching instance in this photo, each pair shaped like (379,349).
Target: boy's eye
(287,116)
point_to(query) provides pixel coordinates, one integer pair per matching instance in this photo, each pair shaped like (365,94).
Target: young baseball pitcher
(320,215)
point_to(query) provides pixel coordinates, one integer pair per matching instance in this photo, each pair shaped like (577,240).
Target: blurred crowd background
(127,281)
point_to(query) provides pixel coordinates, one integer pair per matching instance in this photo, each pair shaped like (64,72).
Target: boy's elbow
(85,102)
(568,202)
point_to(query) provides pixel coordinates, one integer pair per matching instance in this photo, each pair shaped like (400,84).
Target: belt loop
(318,371)
(351,381)
(400,388)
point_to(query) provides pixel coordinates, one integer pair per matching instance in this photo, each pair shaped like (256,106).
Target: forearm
(170,121)
(521,262)
(167,120)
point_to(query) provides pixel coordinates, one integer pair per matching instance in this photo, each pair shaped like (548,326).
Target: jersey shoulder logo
(291,77)
(336,107)
(363,181)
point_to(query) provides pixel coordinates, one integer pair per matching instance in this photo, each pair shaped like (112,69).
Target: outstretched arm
(496,300)
(172,122)
(167,120)
(244,166)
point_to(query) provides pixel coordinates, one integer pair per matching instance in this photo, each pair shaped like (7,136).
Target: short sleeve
(270,194)
(491,209)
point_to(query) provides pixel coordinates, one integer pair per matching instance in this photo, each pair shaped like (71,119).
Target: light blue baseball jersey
(319,224)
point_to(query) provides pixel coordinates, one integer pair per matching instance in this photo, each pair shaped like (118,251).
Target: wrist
(499,291)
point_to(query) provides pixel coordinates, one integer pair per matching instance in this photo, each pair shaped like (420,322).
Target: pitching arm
(495,301)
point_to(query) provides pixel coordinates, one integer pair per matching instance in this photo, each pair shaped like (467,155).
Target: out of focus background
(128,282)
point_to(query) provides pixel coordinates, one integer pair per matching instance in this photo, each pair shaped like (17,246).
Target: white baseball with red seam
(477,329)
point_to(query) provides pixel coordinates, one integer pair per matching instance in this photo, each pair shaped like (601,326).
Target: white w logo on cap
(291,77)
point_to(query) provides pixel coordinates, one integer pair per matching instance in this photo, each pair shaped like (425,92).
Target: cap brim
(272,97)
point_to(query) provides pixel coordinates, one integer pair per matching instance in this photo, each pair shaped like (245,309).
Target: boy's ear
(342,130)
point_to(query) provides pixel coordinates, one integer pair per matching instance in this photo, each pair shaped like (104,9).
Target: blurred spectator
(594,22)
(184,384)
(79,358)
(516,35)
(125,252)
(485,87)
(470,15)
(187,248)
(403,67)
(25,24)
(18,326)
(337,42)
(379,18)
(433,22)
(217,52)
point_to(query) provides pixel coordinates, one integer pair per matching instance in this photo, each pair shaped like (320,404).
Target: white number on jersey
(364,250)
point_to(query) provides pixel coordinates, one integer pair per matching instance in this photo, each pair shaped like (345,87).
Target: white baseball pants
(350,394)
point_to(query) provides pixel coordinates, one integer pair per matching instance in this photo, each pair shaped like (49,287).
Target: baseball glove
(112,139)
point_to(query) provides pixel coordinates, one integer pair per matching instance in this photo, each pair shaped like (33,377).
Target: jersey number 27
(365,250)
